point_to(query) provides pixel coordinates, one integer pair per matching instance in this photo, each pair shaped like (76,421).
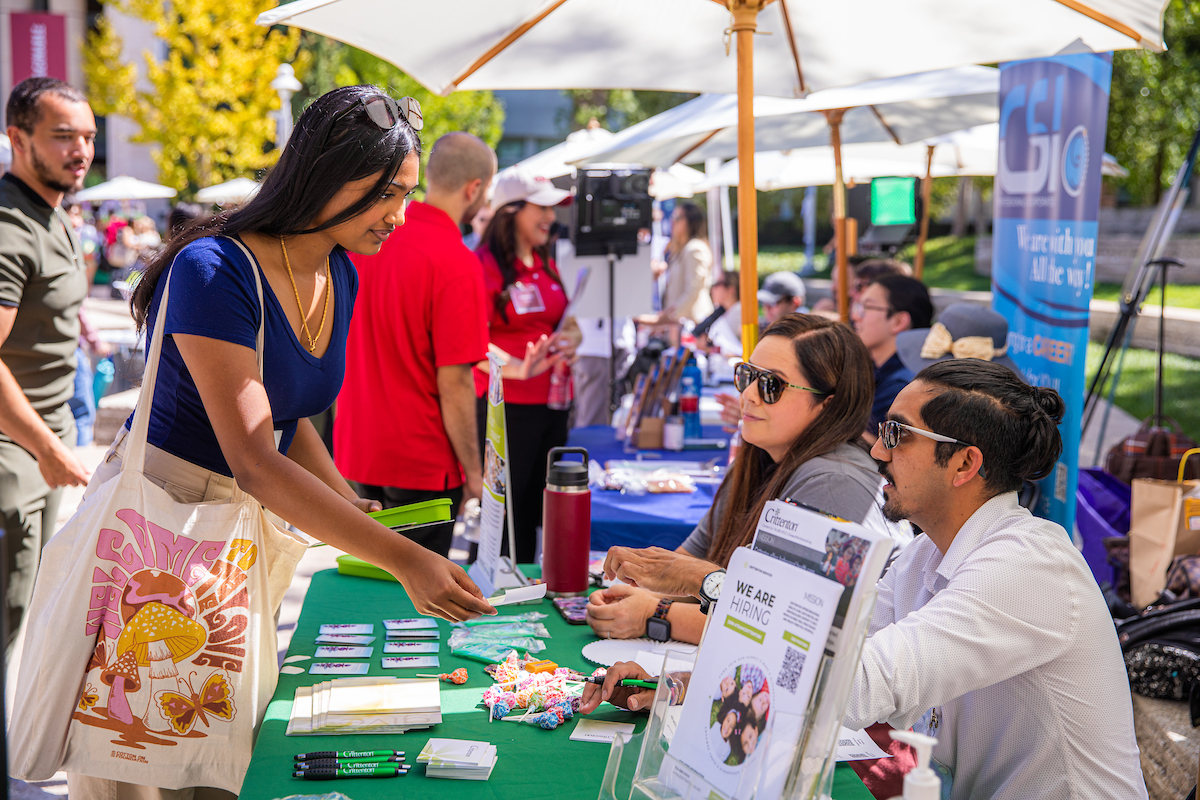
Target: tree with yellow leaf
(209,108)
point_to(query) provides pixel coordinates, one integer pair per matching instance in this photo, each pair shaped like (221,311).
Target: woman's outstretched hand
(440,588)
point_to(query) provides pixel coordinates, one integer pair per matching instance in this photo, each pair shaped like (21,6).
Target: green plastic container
(399,518)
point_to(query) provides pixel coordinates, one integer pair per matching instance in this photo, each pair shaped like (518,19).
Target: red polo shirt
(420,306)
(535,305)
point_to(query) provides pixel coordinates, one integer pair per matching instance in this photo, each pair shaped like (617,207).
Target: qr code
(793,665)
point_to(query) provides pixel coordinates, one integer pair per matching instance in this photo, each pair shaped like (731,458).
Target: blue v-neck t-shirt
(213,295)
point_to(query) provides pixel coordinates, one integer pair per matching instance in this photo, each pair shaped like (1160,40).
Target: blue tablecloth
(662,520)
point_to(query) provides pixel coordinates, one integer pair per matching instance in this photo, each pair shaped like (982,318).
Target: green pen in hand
(599,681)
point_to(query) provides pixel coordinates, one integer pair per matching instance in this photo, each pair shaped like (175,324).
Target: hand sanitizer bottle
(921,783)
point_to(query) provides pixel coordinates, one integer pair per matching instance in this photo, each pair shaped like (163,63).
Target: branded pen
(599,681)
(329,773)
(331,763)
(348,754)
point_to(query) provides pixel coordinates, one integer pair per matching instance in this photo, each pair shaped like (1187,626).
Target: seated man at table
(888,306)
(806,396)
(989,631)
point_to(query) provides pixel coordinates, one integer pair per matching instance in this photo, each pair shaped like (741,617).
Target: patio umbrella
(676,180)
(125,188)
(684,45)
(237,190)
(5,150)
(556,161)
(973,151)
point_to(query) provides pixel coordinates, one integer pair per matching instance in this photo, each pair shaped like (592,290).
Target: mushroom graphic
(159,632)
(122,676)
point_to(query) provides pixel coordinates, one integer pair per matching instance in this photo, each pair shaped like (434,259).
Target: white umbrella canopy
(684,45)
(676,180)
(5,150)
(237,190)
(124,187)
(679,45)
(899,110)
(554,162)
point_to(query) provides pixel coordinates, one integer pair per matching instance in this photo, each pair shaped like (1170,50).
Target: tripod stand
(1148,264)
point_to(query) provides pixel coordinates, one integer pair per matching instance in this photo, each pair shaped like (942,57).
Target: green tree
(478,113)
(617,108)
(208,108)
(1153,112)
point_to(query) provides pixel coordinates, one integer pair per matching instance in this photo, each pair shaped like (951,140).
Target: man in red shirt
(405,429)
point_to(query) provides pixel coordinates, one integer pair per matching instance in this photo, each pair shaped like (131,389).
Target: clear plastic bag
(503,619)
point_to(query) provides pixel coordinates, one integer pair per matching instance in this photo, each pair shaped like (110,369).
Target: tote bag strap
(135,449)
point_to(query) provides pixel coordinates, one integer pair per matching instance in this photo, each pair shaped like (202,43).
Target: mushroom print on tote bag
(170,615)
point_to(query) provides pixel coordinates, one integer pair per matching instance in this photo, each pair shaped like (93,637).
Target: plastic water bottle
(689,399)
(560,387)
(735,445)
(105,372)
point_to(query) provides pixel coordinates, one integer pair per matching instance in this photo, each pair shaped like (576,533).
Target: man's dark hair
(24,111)
(989,406)
(907,294)
(335,142)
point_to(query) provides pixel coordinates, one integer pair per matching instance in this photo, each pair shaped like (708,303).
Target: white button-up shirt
(1004,650)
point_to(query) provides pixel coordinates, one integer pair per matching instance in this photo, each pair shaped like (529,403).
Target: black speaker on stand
(611,206)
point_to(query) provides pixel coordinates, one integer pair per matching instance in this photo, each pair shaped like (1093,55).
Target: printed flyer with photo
(754,675)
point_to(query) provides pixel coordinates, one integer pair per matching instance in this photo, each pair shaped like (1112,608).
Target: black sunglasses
(386,112)
(770,385)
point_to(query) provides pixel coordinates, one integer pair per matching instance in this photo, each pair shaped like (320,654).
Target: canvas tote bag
(150,654)
(1164,523)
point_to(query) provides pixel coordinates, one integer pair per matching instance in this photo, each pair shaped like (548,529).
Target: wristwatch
(710,589)
(657,627)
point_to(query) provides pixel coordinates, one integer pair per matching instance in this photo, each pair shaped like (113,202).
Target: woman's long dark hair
(334,143)
(500,239)
(833,360)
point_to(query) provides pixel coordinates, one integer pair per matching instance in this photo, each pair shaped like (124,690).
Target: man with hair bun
(989,631)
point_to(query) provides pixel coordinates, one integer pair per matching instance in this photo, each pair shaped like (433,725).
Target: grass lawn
(1135,389)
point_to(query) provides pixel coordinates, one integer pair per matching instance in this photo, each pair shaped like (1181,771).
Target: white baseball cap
(516,183)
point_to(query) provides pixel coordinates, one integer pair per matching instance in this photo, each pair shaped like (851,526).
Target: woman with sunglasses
(340,185)
(806,394)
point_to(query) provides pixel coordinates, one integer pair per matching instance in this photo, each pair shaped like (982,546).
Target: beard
(56,181)
(892,509)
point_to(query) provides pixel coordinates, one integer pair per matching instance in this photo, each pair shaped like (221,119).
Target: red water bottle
(566,524)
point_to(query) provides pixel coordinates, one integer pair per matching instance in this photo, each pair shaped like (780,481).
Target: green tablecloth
(533,764)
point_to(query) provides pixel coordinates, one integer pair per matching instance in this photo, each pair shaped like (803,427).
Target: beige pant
(186,483)
(183,480)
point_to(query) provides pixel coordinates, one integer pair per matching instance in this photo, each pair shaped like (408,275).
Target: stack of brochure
(365,705)
(458,759)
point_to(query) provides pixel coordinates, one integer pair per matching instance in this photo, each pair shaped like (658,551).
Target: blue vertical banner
(1053,114)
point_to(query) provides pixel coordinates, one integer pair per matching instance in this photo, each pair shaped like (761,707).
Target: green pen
(599,681)
(321,763)
(348,754)
(328,773)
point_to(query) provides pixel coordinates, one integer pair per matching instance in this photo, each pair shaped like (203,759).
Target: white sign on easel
(491,571)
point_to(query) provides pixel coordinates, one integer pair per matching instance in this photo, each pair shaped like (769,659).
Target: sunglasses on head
(386,112)
(770,385)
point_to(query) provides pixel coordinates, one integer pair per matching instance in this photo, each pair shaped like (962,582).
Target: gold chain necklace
(312,340)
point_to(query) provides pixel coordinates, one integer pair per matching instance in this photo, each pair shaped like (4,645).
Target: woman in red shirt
(526,301)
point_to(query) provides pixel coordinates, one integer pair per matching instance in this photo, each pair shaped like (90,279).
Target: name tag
(526,298)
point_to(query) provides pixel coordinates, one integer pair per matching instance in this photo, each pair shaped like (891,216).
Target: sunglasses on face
(770,385)
(891,431)
(386,112)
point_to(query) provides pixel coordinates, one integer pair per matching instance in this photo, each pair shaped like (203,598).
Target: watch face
(712,585)
(658,629)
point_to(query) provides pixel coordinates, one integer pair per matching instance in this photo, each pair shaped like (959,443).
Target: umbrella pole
(745,23)
(926,191)
(839,214)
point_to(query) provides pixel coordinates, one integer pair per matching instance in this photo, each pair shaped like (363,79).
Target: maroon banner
(39,46)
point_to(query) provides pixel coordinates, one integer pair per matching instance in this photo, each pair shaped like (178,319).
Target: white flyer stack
(365,705)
